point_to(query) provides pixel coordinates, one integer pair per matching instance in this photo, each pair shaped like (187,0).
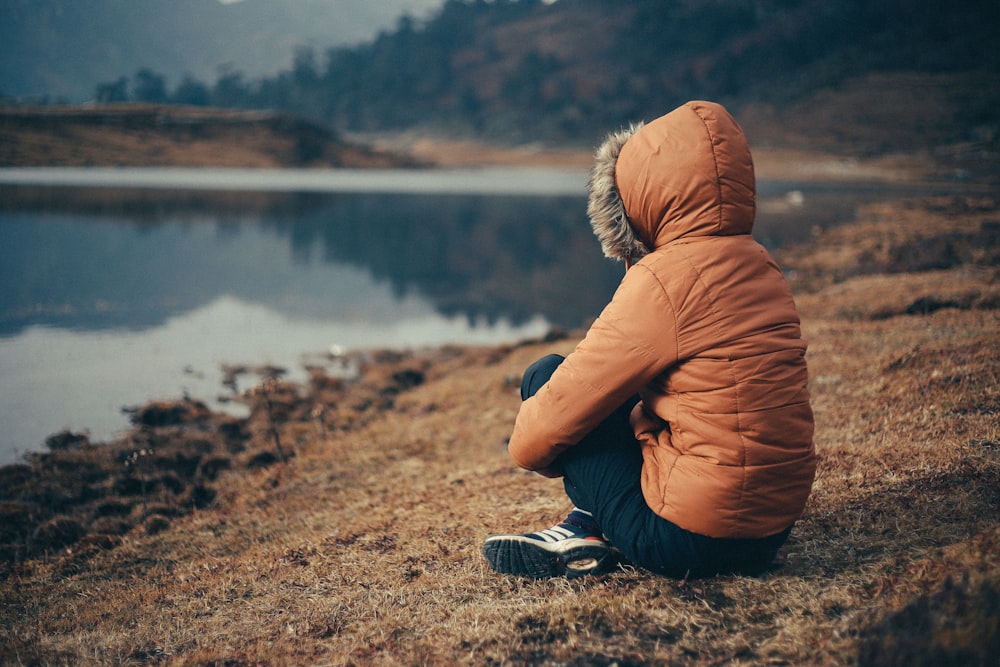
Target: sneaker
(562,550)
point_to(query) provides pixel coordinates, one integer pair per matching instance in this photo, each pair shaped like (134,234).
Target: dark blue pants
(602,475)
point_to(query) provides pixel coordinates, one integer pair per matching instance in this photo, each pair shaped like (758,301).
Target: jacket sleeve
(633,341)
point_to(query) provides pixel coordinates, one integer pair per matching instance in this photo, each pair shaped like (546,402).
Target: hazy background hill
(61,49)
(571,69)
(853,76)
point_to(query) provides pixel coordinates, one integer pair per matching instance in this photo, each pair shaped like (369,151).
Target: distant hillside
(147,135)
(63,50)
(525,70)
(917,72)
(852,77)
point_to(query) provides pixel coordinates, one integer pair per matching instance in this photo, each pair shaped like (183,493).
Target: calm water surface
(121,286)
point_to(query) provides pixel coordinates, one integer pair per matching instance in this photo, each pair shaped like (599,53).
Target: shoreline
(142,135)
(789,258)
(777,203)
(487,179)
(388,482)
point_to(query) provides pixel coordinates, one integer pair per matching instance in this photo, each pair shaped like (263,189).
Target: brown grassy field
(341,523)
(145,135)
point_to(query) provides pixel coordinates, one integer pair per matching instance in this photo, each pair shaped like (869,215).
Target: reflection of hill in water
(100,259)
(490,256)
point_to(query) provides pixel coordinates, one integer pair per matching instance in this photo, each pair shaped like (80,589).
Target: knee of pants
(538,373)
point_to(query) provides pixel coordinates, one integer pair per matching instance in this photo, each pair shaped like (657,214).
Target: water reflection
(113,297)
(110,297)
(86,263)
(51,379)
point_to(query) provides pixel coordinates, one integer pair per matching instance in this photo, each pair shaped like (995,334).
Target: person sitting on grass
(681,423)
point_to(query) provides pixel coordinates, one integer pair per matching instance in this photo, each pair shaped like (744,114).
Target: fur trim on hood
(605,206)
(687,174)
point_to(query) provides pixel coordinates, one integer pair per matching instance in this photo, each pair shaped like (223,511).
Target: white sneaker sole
(527,557)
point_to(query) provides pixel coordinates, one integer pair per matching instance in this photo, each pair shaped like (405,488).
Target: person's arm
(633,341)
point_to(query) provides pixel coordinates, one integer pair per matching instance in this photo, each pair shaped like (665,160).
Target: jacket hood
(688,173)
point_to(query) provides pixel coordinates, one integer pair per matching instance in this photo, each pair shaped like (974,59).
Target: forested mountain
(521,70)
(61,49)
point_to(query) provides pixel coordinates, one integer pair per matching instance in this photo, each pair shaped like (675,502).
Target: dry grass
(142,135)
(363,548)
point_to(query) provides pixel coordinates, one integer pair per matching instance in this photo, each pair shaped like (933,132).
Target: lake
(118,286)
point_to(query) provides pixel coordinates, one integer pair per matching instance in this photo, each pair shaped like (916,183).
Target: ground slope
(131,135)
(341,522)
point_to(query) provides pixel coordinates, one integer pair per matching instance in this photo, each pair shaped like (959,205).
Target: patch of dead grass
(144,135)
(363,545)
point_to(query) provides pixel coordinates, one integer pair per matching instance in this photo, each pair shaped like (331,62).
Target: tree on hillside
(190,91)
(525,69)
(112,91)
(150,86)
(231,90)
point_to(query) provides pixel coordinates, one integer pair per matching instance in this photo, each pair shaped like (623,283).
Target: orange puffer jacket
(702,327)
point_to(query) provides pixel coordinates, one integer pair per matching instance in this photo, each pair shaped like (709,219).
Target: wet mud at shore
(79,495)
